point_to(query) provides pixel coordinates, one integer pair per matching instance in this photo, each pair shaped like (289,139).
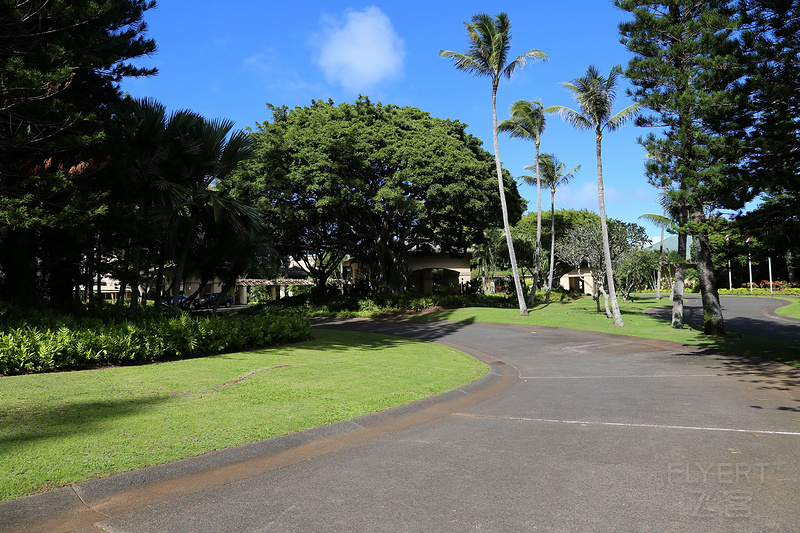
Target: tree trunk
(680,276)
(18,261)
(660,262)
(180,265)
(136,264)
(523,309)
(712,310)
(538,249)
(606,246)
(790,266)
(552,243)
(605,300)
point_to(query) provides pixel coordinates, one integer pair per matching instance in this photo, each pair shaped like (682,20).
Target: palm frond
(623,117)
(528,180)
(465,63)
(527,120)
(570,116)
(523,59)
(657,220)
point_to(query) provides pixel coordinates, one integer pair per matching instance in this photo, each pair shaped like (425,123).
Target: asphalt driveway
(569,431)
(754,316)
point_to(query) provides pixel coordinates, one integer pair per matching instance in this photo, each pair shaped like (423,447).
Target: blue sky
(228,61)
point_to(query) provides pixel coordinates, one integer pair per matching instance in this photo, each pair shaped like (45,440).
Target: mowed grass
(582,315)
(792,310)
(67,427)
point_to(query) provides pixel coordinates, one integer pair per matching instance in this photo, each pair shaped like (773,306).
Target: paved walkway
(754,316)
(569,431)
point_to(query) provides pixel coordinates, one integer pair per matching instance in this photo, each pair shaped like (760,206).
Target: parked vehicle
(183,302)
(207,301)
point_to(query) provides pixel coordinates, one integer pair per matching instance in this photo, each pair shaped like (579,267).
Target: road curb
(81,505)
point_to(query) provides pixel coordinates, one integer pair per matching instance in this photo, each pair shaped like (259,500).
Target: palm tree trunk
(606,247)
(552,243)
(538,250)
(523,309)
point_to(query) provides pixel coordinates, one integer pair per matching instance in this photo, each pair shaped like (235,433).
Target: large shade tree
(370,181)
(595,95)
(488,56)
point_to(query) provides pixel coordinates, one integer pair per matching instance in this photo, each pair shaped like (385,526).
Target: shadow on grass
(42,422)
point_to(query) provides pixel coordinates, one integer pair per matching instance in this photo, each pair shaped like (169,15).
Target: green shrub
(68,343)
(761,291)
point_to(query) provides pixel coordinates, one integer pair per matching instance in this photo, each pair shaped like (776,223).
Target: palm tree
(554,175)
(487,56)
(662,222)
(595,97)
(218,154)
(153,138)
(527,122)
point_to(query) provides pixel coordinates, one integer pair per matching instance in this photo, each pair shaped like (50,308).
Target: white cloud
(360,51)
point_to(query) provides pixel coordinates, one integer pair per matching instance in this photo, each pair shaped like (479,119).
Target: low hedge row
(349,306)
(760,291)
(77,344)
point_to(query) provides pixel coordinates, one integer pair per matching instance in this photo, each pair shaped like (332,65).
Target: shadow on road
(735,320)
(431,331)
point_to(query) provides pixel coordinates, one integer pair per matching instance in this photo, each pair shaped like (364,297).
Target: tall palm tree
(595,95)
(527,122)
(487,56)
(554,175)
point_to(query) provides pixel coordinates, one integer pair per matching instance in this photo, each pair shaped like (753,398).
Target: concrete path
(570,431)
(754,316)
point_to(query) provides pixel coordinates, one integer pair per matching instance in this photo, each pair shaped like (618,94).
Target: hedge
(70,343)
(760,292)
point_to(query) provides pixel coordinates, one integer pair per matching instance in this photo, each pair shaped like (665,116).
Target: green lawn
(581,314)
(68,427)
(792,310)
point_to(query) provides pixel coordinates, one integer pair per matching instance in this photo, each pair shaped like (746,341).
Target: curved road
(754,316)
(569,431)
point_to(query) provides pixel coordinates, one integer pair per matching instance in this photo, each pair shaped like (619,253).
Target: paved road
(570,431)
(755,316)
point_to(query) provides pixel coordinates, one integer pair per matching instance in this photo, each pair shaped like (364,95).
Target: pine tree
(686,70)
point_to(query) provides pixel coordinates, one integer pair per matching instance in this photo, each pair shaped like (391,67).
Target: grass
(792,310)
(67,427)
(581,314)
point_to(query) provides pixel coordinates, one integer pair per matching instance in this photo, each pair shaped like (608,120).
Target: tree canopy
(372,182)
(60,67)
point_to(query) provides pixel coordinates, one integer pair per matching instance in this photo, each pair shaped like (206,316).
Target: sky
(228,61)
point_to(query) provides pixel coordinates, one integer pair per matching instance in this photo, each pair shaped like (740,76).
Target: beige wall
(571,281)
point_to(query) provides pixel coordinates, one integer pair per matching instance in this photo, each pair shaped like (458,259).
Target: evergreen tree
(60,66)
(685,70)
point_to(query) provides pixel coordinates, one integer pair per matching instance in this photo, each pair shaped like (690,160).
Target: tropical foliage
(487,56)
(595,95)
(46,343)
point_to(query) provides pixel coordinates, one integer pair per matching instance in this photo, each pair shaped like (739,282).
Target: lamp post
(749,264)
(728,253)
